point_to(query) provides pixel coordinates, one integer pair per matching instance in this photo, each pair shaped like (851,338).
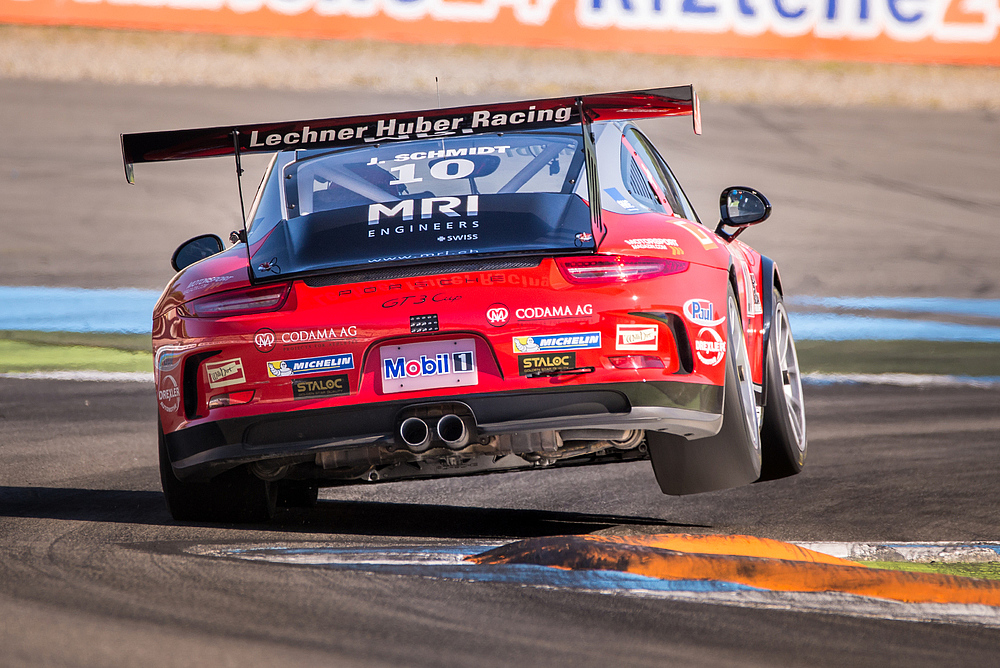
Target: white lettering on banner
(902,20)
(954,21)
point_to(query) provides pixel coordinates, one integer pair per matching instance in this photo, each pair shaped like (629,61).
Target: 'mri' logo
(405,209)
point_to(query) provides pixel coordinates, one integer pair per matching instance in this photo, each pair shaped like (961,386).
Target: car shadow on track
(369,518)
(366,518)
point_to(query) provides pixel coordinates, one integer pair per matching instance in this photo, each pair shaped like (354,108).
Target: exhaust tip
(452,432)
(415,434)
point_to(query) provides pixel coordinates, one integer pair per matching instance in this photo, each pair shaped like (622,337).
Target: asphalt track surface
(94,572)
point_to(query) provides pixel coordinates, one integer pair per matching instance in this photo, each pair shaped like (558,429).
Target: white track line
(901,379)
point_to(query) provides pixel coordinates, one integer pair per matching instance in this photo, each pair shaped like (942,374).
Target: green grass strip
(986,570)
(923,357)
(138,342)
(21,356)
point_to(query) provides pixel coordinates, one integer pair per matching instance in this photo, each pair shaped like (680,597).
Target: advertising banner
(916,31)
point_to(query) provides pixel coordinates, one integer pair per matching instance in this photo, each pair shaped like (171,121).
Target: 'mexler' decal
(709,346)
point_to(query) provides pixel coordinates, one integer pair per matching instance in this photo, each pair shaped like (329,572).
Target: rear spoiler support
(239,181)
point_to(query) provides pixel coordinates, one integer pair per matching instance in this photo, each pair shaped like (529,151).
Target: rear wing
(234,140)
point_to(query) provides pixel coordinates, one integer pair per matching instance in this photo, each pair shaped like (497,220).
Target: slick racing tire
(236,496)
(783,432)
(732,457)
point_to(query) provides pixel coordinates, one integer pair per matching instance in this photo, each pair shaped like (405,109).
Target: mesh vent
(390,273)
(637,183)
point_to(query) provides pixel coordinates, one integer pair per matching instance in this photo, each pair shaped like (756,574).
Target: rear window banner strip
(364,130)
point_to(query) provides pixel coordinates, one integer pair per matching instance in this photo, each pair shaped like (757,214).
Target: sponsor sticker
(269,267)
(700,233)
(168,394)
(167,358)
(318,335)
(225,373)
(702,312)
(310,365)
(212,280)
(754,307)
(582,239)
(550,312)
(264,340)
(557,342)
(497,315)
(411,216)
(656,244)
(637,337)
(321,386)
(709,346)
(528,364)
(620,199)
(431,364)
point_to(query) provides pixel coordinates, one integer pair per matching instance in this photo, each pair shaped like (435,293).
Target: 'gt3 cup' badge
(497,315)
(709,346)
(264,340)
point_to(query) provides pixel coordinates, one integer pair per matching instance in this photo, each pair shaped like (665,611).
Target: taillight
(616,268)
(231,399)
(238,302)
(637,362)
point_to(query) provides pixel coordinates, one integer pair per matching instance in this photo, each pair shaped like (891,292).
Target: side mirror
(196,249)
(741,207)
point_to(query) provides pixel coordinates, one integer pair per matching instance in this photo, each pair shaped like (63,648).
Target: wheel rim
(788,372)
(744,380)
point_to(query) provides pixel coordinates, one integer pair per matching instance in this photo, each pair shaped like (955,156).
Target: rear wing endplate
(349,131)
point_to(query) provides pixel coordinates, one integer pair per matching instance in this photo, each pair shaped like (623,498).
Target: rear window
(420,200)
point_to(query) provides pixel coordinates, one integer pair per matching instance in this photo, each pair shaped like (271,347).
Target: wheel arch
(770,281)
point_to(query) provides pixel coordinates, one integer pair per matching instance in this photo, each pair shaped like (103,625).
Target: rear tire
(732,457)
(783,432)
(236,496)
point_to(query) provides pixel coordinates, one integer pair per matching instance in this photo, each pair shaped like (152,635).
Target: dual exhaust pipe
(418,435)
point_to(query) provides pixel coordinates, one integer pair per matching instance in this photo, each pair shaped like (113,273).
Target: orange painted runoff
(776,574)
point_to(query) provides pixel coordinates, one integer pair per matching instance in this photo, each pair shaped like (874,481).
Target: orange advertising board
(917,31)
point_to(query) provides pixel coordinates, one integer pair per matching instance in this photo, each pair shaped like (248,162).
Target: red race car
(469,290)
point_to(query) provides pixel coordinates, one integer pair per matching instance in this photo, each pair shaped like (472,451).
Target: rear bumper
(687,409)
